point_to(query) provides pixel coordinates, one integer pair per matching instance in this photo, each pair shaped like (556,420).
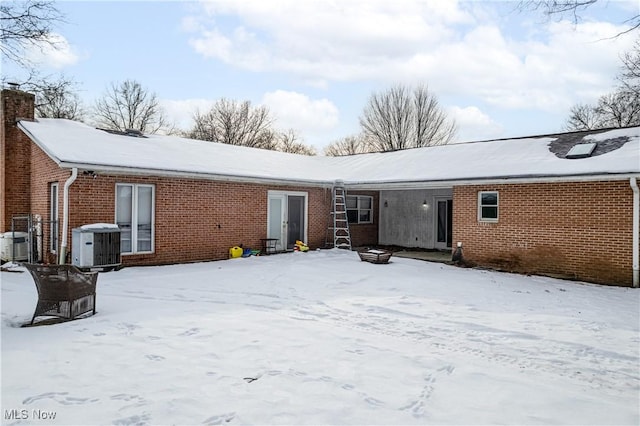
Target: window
(135,217)
(53,217)
(488,206)
(359,209)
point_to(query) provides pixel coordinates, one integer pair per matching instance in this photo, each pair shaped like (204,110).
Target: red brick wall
(366,234)
(45,171)
(195,220)
(15,152)
(580,230)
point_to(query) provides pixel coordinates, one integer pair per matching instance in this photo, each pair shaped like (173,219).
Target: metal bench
(64,291)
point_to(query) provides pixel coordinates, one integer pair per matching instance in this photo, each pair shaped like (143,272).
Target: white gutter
(434,184)
(636,232)
(134,171)
(361,185)
(65,215)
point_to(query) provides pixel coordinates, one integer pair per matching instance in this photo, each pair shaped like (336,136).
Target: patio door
(295,219)
(287,218)
(444,220)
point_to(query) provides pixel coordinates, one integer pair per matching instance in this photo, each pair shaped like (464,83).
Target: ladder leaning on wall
(341,235)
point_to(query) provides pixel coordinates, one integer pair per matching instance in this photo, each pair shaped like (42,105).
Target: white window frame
(54,210)
(359,208)
(134,216)
(481,218)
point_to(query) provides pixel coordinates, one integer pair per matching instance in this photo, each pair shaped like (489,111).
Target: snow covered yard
(322,338)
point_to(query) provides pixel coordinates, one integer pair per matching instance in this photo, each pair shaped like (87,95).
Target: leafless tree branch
(289,141)
(573,8)
(402,118)
(350,145)
(620,108)
(235,123)
(127,105)
(26,24)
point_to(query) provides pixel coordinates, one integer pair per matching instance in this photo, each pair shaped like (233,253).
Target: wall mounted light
(386,204)
(424,204)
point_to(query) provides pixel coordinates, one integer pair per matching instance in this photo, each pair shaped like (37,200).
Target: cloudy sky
(499,71)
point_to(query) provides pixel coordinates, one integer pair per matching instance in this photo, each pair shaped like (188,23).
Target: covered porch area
(420,220)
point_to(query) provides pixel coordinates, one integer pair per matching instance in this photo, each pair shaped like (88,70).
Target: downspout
(636,232)
(65,215)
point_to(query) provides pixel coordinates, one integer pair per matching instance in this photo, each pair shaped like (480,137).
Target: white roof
(74,144)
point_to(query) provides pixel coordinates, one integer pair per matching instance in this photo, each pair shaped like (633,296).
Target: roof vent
(582,150)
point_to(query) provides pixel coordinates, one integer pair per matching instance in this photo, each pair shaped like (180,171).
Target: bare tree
(289,141)
(630,73)
(620,108)
(127,105)
(617,109)
(26,24)
(402,118)
(235,123)
(57,99)
(349,145)
(571,7)
(583,117)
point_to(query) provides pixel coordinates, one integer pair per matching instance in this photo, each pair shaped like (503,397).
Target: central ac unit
(14,246)
(96,246)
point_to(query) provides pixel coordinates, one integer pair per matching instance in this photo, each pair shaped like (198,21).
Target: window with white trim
(53,217)
(135,215)
(488,206)
(359,209)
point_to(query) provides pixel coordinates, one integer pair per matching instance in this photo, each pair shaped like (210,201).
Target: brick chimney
(15,155)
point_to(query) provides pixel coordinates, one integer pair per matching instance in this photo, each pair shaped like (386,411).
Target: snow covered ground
(322,338)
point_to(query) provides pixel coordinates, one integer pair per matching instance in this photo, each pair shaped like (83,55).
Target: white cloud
(319,39)
(298,111)
(57,53)
(456,48)
(572,64)
(473,124)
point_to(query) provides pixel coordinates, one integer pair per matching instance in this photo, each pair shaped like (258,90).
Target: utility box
(14,246)
(96,246)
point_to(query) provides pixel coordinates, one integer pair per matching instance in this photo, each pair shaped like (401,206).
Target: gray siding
(404,221)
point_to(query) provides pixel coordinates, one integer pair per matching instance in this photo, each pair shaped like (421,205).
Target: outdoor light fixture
(386,204)
(424,203)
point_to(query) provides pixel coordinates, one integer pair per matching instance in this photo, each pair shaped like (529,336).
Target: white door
(287,218)
(276,220)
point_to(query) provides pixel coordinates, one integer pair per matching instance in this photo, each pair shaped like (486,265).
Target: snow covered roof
(74,144)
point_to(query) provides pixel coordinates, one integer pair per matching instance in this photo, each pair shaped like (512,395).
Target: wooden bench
(64,291)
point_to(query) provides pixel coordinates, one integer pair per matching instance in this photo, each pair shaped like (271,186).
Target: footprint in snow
(60,398)
(154,357)
(219,419)
(190,332)
(373,402)
(138,420)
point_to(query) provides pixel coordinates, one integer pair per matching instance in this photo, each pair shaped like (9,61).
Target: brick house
(564,205)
